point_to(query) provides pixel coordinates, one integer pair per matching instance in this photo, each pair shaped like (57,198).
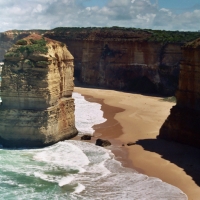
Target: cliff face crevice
(36,89)
(182,125)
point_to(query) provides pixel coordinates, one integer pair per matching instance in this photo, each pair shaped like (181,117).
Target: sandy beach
(137,119)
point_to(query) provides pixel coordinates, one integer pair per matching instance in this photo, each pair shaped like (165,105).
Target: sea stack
(183,123)
(37,84)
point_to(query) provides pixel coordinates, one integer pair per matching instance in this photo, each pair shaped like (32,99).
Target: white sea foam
(119,183)
(79,188)
(65,180)
(87,114)
(103,176)
(64,155)
(72,170)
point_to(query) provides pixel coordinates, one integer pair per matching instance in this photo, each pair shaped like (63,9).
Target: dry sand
(137,118)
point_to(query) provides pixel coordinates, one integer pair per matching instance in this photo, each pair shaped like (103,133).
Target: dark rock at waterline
(130,143)
(102,143)
(86,137)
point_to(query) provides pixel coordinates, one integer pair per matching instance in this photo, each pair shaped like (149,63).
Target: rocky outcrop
(37,85)
(182,125)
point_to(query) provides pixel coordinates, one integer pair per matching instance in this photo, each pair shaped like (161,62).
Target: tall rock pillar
(37,83)
(183,123)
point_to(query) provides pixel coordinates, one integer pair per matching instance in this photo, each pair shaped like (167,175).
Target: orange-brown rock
(122,59)
(36,90)
(182,125)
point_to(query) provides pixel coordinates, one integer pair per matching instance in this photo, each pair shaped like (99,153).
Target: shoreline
(101,131)
(122,113)
(114,128)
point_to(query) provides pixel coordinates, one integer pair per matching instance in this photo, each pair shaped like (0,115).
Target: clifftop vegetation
(38,46)
(110,33)
(120,32)
(28,46)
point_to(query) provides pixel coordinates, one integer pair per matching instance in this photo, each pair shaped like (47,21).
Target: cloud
(47,14)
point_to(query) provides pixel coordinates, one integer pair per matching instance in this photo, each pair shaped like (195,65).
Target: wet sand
(137,118)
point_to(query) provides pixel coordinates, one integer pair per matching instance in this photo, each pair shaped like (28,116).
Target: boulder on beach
(86,137)
(103,143)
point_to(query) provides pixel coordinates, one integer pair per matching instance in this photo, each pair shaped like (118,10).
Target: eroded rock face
(182,125)
(123,60)
(37,84)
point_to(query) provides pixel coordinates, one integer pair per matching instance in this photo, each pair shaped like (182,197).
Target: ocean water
(87,114)
(76,170)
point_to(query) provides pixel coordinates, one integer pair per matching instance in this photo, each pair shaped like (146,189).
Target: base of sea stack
(27,143)
(37,128)
(182,126)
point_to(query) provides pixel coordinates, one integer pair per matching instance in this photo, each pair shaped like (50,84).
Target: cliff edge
(37,83)
(182,125)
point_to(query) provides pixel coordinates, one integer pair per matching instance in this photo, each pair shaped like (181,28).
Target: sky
(182,15)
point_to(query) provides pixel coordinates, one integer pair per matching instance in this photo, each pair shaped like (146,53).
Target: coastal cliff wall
(182,125)
(136,60)
(37,83)
(124,60)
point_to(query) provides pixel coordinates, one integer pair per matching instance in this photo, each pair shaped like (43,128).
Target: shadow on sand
(186,157)
(85,85)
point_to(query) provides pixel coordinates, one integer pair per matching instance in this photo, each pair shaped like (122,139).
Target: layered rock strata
(123,60)
(182,125)
(37,83)
(145,61)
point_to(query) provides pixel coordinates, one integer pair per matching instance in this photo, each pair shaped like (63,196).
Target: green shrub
(33,41)
(172,36)
(29,62)
(42,63)
(21,42)
(11,54)
(38,46)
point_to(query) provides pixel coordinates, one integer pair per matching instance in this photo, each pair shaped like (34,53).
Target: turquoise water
(48,173)
(76,170)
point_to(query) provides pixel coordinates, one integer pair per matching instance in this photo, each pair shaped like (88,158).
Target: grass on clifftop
(38,46)
(173,36)
(155,35)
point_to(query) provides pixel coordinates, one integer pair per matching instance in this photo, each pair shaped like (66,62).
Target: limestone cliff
(124,59)
(182,125)
(121,58)
(37,84)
